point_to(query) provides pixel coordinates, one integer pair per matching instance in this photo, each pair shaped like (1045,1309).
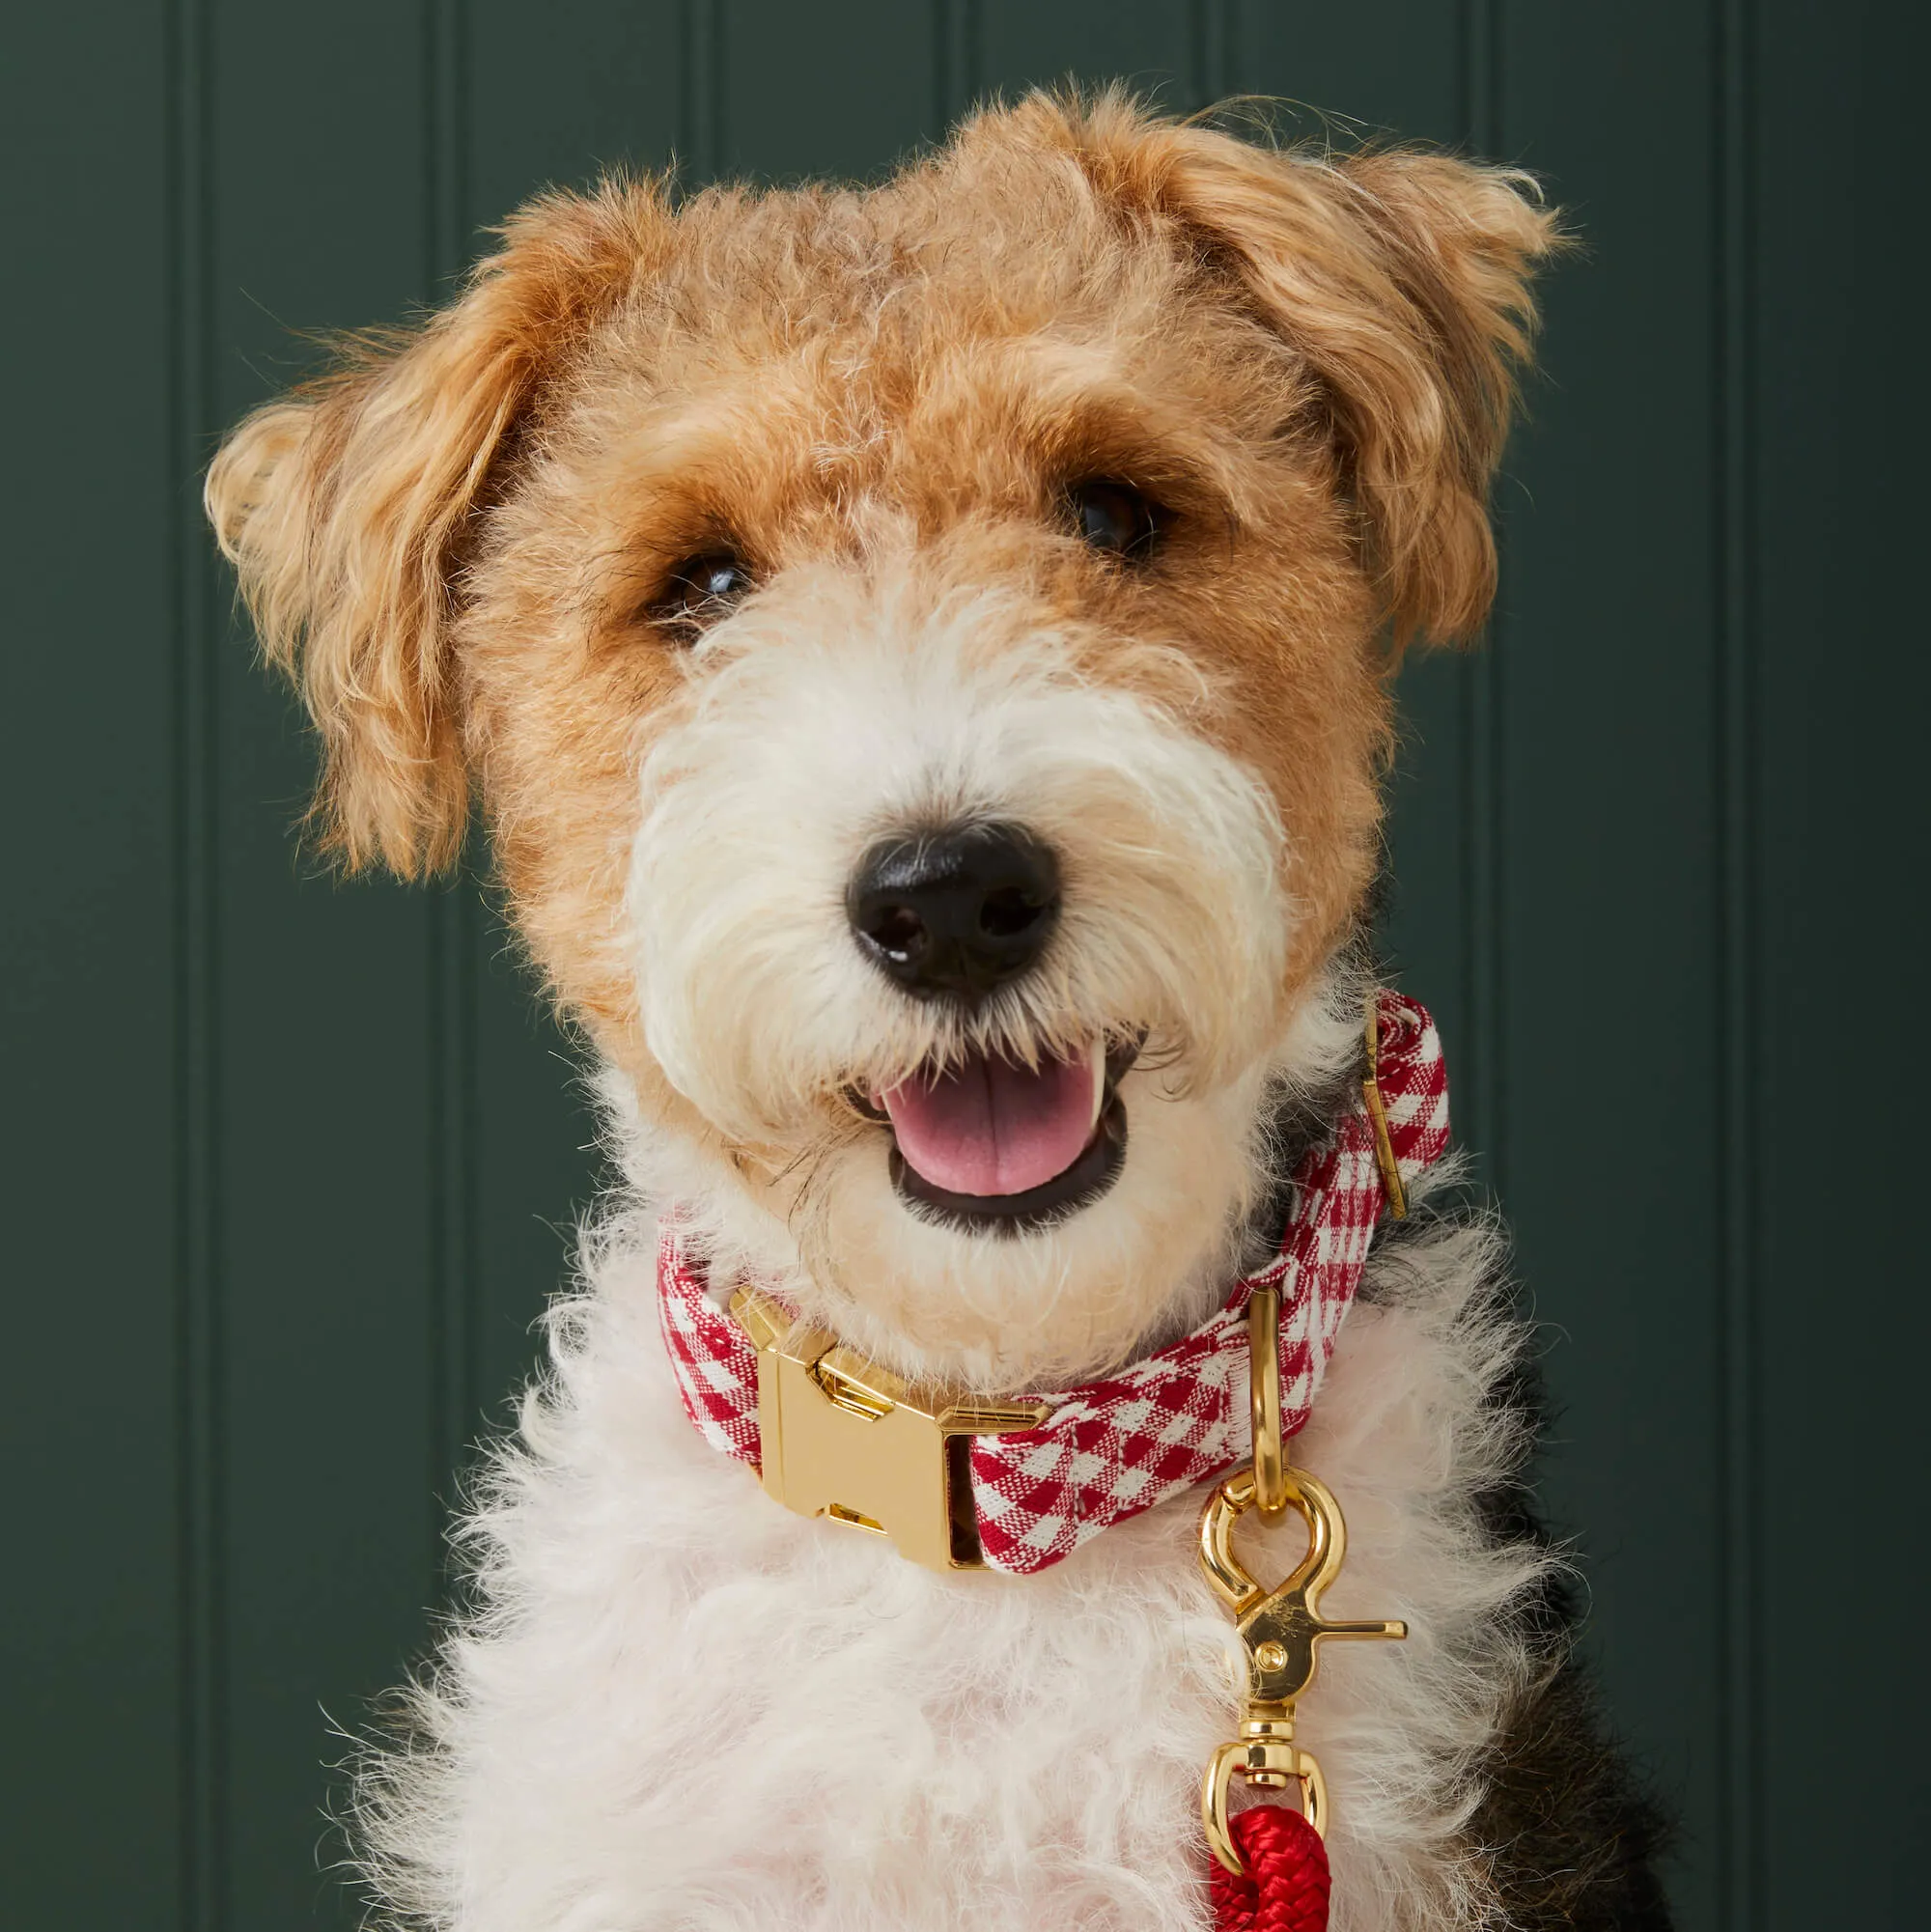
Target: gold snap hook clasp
(1281,1631)
(1283,1627)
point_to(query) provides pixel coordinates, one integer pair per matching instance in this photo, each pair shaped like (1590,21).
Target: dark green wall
(287,1163)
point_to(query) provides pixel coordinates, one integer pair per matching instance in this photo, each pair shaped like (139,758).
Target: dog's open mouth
(999,1147)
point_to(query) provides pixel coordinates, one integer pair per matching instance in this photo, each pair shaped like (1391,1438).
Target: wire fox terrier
(923,654)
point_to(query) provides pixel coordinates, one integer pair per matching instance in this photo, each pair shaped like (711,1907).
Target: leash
(1284,1885)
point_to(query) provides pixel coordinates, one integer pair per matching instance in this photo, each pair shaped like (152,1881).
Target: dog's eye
(701,589)
(1114,516)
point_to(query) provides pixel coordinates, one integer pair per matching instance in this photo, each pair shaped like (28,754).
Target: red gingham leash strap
(1173,1420)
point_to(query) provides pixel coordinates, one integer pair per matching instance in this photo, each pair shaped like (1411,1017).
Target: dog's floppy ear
(344,508)
(1403,279)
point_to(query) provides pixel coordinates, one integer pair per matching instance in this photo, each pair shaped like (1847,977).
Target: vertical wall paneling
(701,123)
(1610,857)
(1152,44)
(198,1385)
(955,65)
(1840,394)
(798,101)
(601,87)
(90,1576)
(1212,73)
(1384,68)
(1735,1854)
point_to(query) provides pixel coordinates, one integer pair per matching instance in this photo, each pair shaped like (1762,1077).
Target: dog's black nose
(958,912)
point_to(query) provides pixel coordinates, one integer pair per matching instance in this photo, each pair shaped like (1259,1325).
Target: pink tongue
(991,1128)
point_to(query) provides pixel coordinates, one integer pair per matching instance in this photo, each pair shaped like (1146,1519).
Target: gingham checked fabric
(1175,1419)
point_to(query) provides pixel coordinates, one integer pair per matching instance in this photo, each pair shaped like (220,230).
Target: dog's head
(922,653)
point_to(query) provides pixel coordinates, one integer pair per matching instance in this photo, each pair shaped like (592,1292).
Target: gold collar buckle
(842,1437)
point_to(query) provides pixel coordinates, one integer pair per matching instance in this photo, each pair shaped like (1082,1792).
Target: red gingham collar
(1176,1418)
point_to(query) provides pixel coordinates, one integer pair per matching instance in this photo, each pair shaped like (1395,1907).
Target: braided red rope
(1285,1888)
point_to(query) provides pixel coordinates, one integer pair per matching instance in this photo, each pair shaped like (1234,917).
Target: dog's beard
(851,709)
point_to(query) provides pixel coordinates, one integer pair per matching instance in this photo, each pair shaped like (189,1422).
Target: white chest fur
(681,1706)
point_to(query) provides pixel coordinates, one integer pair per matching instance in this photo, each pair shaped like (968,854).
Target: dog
(923,654)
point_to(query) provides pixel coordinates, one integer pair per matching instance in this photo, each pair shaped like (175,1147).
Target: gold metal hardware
(1263,1383)
(1371,1095)
(1281,1630)
(842,1437)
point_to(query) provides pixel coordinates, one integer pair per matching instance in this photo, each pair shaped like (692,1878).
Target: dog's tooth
(1099,1058)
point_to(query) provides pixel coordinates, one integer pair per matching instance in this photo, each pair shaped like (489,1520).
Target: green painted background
(286,1162)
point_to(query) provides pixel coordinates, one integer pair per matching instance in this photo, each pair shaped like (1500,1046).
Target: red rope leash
(1285,1888)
